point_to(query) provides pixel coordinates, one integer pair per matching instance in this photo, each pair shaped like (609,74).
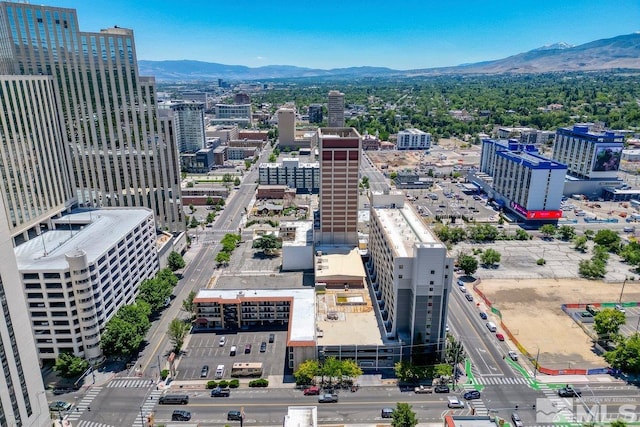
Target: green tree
(522,234)
(331,368)
(268,243)
(306,371)
(223,258)
(490,257)
(236,181)
(483,233)
(167,277)
(211,216)
(272,158)
(607,323)
(566,232)
(188,305)
(210,201)
(247,164)
(618,423)
(407,372)
(177,332)
(589,234)
(350,368)
(137,315)
(155,292)
(580,243)
(592,268)
(175,261)
(468,264)
(70,366)
(120,338)
(227,177)
(607,238)
(548,231)
(626,355)
(192,208)
(194,222)
(403,416)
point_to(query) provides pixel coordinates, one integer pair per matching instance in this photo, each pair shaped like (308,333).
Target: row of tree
(625,354)
(229,242)
(331,368)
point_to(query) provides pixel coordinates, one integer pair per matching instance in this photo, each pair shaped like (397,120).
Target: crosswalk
(84,404)
(147,408)
(90,424)
(502,380)
(130,382)
(556,406)
(477,404)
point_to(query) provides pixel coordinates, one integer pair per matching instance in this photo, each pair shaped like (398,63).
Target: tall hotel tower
(339,179)
(116,149)
(335,109)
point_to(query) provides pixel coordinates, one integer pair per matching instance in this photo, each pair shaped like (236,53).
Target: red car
(311,391)
(500,337)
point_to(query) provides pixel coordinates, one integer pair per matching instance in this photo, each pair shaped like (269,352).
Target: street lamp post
(141,417)
(535,365)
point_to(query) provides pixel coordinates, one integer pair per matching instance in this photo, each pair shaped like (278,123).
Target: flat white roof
(405,228)
(303,236)
(302,319)
(101,229)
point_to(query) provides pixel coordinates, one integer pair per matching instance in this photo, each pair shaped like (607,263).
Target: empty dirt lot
(531,310)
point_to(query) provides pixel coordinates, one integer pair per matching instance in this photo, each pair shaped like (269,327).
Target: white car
(513,355)
(620,308)
(222,341)
(463,289)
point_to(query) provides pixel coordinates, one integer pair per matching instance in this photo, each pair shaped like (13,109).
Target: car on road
(483,315)
(63,390)
(517,422)
(272,337)
(204,372)
(386,413)
(327,398)
(221,392)
(441,388)
(471,395)
(234,416)
(263,347)
(500,337)
(513,355)
(222,342)
(60,405)
(179,415)
(620,308)
(454,402)
(569,392)
(460,282)
(463,289)
(423,389)
(468,297)
(311,391)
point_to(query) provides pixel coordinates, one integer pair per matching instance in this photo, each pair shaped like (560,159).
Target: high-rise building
(286,127)
(119,154)
(315,113)
(414,139)
(411,274)
(232,114)
(187,120)
(339,179)
(335,109)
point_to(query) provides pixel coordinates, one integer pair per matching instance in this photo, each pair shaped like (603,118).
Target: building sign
(535,214)
(607,159)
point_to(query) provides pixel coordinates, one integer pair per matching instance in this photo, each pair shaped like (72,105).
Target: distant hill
(621,52)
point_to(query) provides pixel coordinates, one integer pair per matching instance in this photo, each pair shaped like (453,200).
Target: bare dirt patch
(531,309)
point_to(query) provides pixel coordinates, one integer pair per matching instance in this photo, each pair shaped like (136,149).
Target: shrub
(164,374)
(223,384)
(212,384)
(261,382)
(234,383)
(541,261)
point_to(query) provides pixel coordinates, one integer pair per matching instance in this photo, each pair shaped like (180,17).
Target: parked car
(272,337)
(247,349)
(423,389)
(204,372)
(441,388)
(386,413)
(62,390)
(483,315)
(222,342)
(263,347)
(180,415)
(468,297)
(311,391)
(234,416)
(569,392)
(517,422)
(470,395)
(500,336)
(328,398)
(463,289)
(221,392)
(233,350)
(513,355)
(620,308)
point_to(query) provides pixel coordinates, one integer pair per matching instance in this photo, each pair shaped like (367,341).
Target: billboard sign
(607,159)
(555,214)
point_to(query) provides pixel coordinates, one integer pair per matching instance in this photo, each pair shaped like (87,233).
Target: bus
(244,369)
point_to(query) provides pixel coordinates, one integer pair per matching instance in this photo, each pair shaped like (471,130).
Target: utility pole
(535,366)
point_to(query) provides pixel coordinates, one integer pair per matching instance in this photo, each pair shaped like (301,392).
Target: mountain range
(621,52)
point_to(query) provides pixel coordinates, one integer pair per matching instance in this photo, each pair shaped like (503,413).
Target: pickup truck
(327,398)
(423,389)
(220,392)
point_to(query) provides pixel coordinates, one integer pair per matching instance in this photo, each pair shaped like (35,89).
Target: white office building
(413,139)
(187,120)
(303,176)
(77,275)
(411,274)
(232,114)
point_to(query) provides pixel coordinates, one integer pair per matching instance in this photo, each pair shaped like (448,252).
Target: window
(433,272)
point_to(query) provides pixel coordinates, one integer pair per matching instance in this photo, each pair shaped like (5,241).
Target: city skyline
(407,36)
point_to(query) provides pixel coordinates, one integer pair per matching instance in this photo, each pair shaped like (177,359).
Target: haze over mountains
(621,52)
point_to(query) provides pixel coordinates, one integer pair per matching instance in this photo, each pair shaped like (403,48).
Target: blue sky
(331,34)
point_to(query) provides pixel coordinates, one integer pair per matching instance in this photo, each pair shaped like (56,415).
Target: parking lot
(203,348)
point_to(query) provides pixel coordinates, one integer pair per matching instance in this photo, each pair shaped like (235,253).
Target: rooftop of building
(301,416)
(587,131)
(403,226)
(415,131)
(338,133)
(338,261)
(93,231)
(303,234)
